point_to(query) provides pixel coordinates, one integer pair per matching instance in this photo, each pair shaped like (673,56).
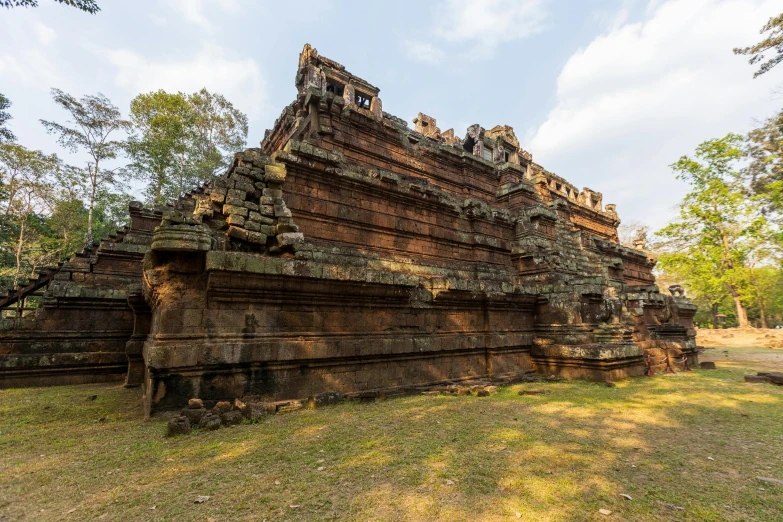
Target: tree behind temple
(27,181)
(218,131)
(94,120)
(5,134)
(764,171)
(773,42)
(179,141)
(159,144)
(720,234)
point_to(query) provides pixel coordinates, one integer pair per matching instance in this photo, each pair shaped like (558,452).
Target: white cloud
(194,11)
(239,79)
(478,27)
(422,51)
(643,94)
(44,33)
(31,65)
(488,23)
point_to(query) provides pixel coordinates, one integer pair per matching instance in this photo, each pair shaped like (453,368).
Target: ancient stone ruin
(350,253)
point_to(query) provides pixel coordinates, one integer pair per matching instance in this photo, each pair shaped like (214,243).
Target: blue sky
(605,93)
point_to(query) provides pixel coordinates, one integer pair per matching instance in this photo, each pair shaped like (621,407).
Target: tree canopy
(94,119)
(5,134)
(773,42)
(88,6)
(179,141)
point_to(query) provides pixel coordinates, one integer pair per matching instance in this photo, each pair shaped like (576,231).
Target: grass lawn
(684,447)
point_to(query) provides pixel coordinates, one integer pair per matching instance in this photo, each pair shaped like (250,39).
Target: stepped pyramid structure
(352,253)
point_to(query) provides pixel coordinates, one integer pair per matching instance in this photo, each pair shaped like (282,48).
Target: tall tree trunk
(714,312)
(742,314)
(19,251)
(158,189)
(94,181)
(759,300)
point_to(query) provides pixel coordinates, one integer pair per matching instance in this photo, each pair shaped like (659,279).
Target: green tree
(88,6)
(764,171)
(94,119)
(219,130)
(158,144)
(720,234)
(27,177)
(179,140)
(5,134)
(773,42)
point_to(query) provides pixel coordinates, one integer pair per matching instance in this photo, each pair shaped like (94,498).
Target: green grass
(559,456)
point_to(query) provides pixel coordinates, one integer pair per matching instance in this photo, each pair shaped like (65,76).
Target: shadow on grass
(559,456)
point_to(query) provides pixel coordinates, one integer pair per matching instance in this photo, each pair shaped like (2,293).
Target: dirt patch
(759,359)
(736,337)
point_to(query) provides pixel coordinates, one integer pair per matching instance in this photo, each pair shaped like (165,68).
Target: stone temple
(351,253)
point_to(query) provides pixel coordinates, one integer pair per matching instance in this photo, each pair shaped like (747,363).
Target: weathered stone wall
(350,253)
(80,332)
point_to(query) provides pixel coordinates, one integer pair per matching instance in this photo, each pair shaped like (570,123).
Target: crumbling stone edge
(251,410)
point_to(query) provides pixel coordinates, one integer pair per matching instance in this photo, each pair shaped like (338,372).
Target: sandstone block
(195,404)
(238,233)
(209,422)
(221,407)
(282,211)
(193,415)
(231,418)
(178,426)
(256,238)
(268,230)
(290,238)
(234,209)
(174,216)
(236,193)
(235,219)
(238,178)
(252,226)
(246,187)
(266,210)
(775,377)
(217,198)
(275,172)
(250,206)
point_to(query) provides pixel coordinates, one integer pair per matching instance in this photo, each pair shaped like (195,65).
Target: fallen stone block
(756,378)
(707,365)
(221,407)
(194,415)
(231,418)
(775,378)
(178,426)
(209,422)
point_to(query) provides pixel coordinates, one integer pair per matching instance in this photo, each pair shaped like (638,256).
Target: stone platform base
(62,376)
(284,380)
(589,362)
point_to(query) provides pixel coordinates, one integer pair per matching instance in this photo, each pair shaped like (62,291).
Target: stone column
(135,346)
